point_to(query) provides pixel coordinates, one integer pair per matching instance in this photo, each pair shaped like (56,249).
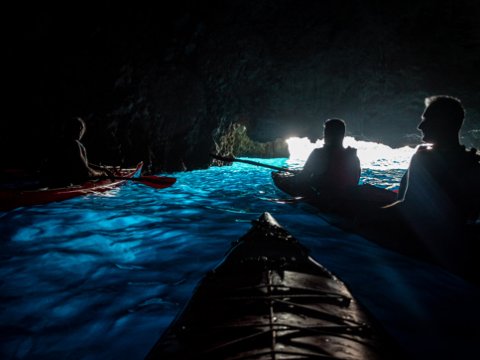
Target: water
(100,277)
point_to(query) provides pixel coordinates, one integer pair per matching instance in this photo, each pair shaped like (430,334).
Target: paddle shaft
(231,159)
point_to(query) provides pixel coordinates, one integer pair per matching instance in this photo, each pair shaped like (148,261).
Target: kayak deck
(269,300)
(360,198)
(344,209)
(11,198)
(348,211)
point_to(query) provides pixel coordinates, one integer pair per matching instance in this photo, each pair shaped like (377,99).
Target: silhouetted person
(443,177)
(439,194)
(332,167)
(67,161)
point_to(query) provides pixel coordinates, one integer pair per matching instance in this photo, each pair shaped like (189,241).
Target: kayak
(346,209)
(13,198)
(349,210)
(359,199)
(268,299)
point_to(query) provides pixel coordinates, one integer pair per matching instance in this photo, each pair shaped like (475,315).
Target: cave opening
(372,155)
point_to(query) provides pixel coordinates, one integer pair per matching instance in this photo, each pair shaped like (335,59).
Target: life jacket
(342,169)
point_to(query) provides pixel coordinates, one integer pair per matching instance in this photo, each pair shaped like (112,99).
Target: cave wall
(165,85)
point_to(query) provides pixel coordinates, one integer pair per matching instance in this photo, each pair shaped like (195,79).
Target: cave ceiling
(165,85)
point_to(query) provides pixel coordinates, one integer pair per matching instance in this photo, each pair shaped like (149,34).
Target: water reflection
(100,277)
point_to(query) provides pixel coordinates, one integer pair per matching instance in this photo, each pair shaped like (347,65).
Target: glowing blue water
(100,277)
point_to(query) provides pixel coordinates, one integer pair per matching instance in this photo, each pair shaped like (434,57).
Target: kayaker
(440,195)
(332,167)
(67,161)
(443,175)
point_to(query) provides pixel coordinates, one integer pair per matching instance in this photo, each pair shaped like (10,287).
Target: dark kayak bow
(269,300)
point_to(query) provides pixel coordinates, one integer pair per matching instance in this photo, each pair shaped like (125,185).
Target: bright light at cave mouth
(372,155)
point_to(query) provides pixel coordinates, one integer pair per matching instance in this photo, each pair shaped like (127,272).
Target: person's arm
(95,166)
(91,169)
(413,165)
(357,169)
(103,170)
(307,167)
(82,152)
(403,186)
(420,184)
(351,169)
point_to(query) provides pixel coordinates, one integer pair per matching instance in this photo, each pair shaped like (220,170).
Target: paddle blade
(223,158)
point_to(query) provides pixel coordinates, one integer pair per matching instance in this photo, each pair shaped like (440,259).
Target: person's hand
(101,173)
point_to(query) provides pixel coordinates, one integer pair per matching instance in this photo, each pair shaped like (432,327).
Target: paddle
(232,159)
(157,182)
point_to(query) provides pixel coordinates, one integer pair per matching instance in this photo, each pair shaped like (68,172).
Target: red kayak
(13,198)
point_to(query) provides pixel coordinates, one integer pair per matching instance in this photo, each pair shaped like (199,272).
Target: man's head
(334,131)
(442,119)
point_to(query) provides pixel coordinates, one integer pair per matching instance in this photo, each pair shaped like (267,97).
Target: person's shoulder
(423,151)
(318,151)
(351,150)
(423,155)
(316,155)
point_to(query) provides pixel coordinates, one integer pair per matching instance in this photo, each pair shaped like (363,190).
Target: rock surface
(167,86)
